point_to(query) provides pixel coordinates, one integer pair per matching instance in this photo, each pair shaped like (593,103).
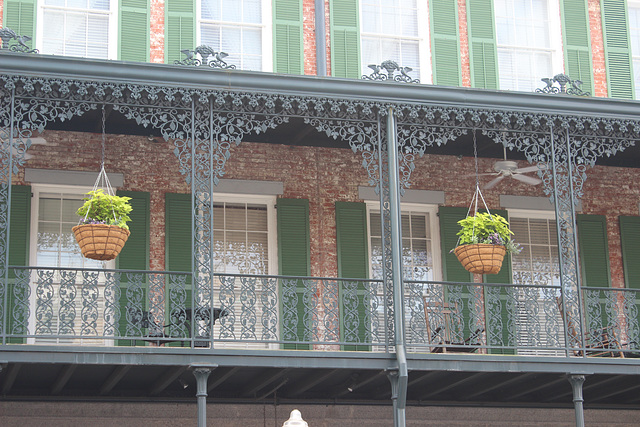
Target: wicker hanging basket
(101,242)
(481,258)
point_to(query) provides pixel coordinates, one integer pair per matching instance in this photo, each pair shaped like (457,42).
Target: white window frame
(270,202)
(631,4)
(36,190)
(434,230)
(423,39)
(112,13)
(555,38)
(267,32)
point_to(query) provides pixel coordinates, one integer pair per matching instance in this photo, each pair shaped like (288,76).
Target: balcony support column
(201,372)
(400,378)
(576,384)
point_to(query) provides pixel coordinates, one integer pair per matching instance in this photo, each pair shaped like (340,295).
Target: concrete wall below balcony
(72,414)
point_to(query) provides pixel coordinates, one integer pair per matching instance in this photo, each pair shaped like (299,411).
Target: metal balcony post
(396,267)
(201,372)
(576,384)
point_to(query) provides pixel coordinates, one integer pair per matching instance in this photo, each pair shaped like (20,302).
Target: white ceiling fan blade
(527,179)
(528,169)
(493,183)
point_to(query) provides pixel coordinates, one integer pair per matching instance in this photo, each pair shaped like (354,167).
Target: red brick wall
(464,44)
(157,31)
(323,176)
(597,49)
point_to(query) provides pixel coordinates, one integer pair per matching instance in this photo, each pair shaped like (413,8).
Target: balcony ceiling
(314,377)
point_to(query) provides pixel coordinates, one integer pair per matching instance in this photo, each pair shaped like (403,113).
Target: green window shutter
(178,250)
(20,16)
(504,276)
(180,28)
(294,258)
(294,250)
(134,254)
(617,50)
(629,237)
(594,250)
(134,34)
(577,42)
(287,36)
(445,45)
(351,239)
(353,262)
(178,231)
(20,218)
(345,39)
(483,56)
(452,270)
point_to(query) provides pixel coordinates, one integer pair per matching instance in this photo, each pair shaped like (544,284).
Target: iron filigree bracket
(390,67)
(217,60)
(567,86)
(7,35)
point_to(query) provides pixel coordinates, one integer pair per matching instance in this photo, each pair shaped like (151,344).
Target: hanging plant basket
(101,242)
(481,258)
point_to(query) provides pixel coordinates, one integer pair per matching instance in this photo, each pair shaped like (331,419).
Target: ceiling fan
(505,168)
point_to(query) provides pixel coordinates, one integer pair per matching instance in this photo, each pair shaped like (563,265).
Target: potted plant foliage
(483,242)
(103,230)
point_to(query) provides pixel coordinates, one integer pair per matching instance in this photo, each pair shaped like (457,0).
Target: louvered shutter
(594,250)
(134,30)
(345,39)
(501,334)
(20,16)
(577,42)
(18,255)
(445,45)
(287,37)
(482,44)
(629,237)
(617,50)
(452,270)
(178,251)
(294,259)
(134,256)
(351,241)
(180,28)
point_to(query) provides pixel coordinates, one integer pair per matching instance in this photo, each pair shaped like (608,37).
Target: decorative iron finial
(568,86)
(390,67)
(7,35)
(205,52)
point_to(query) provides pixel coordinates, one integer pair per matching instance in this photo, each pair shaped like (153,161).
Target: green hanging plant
(101,208)
(488,229)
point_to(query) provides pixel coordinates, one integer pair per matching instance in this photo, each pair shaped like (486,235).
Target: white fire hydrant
(295,420)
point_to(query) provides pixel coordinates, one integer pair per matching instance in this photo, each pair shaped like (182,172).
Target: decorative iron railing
(134,308)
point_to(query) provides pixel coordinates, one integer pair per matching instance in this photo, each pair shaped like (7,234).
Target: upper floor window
(240,28)
(396,30)
(244,234)
(634,33)
(82,28)
(528,42)
(420,245)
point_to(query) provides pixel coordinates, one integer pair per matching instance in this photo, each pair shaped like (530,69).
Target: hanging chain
(104,119)
(475,156)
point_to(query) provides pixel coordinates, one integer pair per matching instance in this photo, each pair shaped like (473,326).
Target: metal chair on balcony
(439,322)
(600,342)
